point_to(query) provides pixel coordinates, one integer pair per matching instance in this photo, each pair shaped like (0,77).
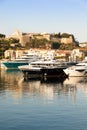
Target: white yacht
(44,68)
(39,64)
(78,70)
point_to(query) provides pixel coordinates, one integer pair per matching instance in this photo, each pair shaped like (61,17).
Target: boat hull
(14,65)
(44,73)
(75,73)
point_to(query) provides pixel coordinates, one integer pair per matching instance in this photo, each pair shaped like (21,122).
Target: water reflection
(13,82)
(76,82)
(47,104)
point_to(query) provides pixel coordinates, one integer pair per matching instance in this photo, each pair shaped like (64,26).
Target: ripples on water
(39,105)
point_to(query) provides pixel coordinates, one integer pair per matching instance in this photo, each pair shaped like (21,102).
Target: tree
(2,49)
(13,40)
(65,35)
(55,45)
(2,36)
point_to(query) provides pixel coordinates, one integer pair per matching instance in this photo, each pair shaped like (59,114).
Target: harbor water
(42,105)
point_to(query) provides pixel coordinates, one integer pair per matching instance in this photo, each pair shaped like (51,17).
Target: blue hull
(14,65)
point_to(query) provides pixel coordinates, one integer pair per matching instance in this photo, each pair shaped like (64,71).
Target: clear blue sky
(49,16)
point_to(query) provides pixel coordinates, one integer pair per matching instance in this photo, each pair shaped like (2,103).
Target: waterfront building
(13,54)
(77,54)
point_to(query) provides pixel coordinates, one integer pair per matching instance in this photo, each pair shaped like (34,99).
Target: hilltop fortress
(26,37)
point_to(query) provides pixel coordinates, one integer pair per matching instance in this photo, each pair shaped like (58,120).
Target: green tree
(55,45)
(2,49)
(2,36)
(13,40)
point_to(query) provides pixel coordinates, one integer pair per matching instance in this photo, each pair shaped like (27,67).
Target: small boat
(78,70)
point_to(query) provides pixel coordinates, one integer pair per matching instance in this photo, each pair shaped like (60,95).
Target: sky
(50,16)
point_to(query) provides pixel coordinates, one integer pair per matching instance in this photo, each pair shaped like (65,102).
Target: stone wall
(25,37)
(67,40)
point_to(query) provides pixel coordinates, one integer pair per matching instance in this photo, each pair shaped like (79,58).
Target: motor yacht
(77,70)
(45,68)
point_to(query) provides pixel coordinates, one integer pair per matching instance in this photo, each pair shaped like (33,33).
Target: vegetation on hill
(38,43)
(13,43)
(67,46)
(57,35)
(63,35)
(43,43)
(6,44)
